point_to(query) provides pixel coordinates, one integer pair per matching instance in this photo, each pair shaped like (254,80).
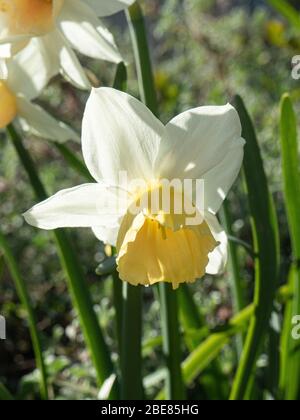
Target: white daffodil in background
(121,134)
(61,26)
(22,79)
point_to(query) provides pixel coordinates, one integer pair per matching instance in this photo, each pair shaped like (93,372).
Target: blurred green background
(204,51)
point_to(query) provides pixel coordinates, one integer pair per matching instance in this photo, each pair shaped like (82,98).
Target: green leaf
(5,395)
(234,271)
(120,82)
(286,10)
(199,359)
(239,301)
(291,172)
(26,302)
(286,343)
(207,351)
(266,247)
(190,317)
(290,375)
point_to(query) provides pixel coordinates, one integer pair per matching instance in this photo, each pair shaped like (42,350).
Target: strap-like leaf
(266,247)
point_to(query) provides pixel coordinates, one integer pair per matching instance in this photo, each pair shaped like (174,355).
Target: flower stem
(118,304)
(142,57)
(175,389)
(120,83)
(26,302)
(168,298)
(79,291)
(128,304)
(131,359)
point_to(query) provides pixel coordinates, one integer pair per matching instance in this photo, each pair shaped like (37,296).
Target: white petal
(62,55)
(109,7)
(86,33)
(119,133)
(8,50)
(34,119)
(197,143)
(13,39)
(107,235)
(86,205)
(217,258)
(219,180)
(30,70)
(3,69)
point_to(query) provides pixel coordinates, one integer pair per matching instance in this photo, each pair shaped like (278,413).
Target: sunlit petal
(119,134)
(86,205)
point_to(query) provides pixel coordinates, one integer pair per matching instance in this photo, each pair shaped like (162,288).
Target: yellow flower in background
(29,17)
(8,103)
(22,79)
(121,136)
(61,26)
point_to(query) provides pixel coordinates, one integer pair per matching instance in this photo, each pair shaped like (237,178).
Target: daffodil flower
(22,79)
(121,135)
(61,25)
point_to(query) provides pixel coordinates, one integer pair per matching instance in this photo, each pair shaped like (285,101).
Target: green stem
(168,297)
(118,304)
(79,291)
(26,302)
(131,350)
(27,163)
(175,389)
(142,57)
(128,304)
(120,83)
